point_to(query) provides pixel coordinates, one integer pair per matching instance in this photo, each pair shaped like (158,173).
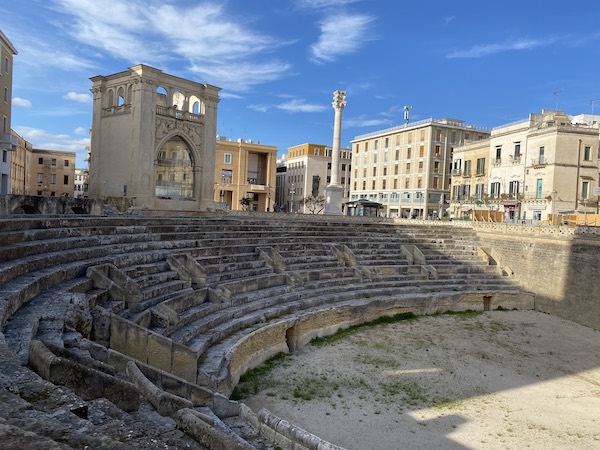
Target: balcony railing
(455,172)
(466,174)
(497,161)
(177,114)
(538,162)
(480,173)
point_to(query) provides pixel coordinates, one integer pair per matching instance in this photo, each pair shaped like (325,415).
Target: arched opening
(161,96)
(175,170)
(178,101)
(121,97)
(194,105)
(110,98)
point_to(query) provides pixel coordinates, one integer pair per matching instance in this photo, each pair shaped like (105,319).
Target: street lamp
(553,194)
(292,192)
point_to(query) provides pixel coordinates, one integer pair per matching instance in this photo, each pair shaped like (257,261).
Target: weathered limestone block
(87,382)
(344,254)
(119,286)
(209,435)
(272,258)
(188,269)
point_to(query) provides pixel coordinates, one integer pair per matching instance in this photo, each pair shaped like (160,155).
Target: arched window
(161,96)
(110,99)
(174,170)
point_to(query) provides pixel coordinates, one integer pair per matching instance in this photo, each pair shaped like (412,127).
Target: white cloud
(218,46)
(229,95)
(41,139)
(341,34)
(479,51)
(259,107)
(79,98)
(317,4)
(81,130)
(22,102)
(297,105)
(360,122)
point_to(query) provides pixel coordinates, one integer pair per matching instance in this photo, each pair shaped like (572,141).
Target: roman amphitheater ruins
(117,319)
(129,325)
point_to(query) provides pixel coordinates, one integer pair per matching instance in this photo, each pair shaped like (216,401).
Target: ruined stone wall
(562,267)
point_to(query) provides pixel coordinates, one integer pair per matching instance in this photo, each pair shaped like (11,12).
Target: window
(422,135)
(466,191)
(408,153)
(396,169)
(420,166)
(397,154)
(420,183)
(436,167)
(410,138)
(406,184)
(495,190)
(498,154)
(364,185)
(374,171)
(480,166)
(436,183)
(513,189)
(5,94)
(4,156)
(374,158)
(538,190)
(395,183)
(421,151)
(66,163)
(328,166)
(438,150)
(383,184)
(343,167)
(40,160)
(376,144)
(467,169)
(384,171)
(585,190)
(542,158)
(6,65)
(373,184)
(517,156)
(407,167)
(53,161)
(386,142)
(52,178)
(40,177)
(227,158)
(479,190)
(587,153)
(65,179)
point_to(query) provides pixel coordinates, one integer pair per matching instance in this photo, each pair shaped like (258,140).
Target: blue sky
(279,61)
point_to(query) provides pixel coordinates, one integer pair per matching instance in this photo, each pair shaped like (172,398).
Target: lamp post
(553,195)
(292,192)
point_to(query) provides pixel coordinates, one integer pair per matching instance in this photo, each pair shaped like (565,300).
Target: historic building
(50,173)
(407,168)
(538,167)
(245,170)
(309,172)
(8,141)
(153,139)
(19,174)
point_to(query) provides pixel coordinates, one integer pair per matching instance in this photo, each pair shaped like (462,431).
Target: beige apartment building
(153,140)
(245,169)
(308,172)
(539,168)
(407,168)
(8,142)
(18,167)
(50,173)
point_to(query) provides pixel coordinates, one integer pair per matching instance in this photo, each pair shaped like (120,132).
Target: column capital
(339,100)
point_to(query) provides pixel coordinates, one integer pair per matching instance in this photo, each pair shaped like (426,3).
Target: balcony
(480,173)
(466,174)
(538,163)
(8,141)
(497,162)
(456,172)
(177,114)
(516,159)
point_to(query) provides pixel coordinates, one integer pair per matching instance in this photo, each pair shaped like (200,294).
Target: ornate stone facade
(153,139)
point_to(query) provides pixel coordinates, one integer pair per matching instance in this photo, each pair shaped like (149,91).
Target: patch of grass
(445,403)
(255,380)
(341,334)
(465,314)
(314,388)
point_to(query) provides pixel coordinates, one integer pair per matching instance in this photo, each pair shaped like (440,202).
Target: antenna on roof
(556,92)
(407,109)
(593,102)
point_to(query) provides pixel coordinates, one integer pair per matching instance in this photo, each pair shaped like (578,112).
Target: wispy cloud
(341,34)
(318,4)
(298,105)
(81,130)
(79,98)
(219,47)
(22,102)
(361,122)
(259,107)
(42,139)
(229,95)
(480,51)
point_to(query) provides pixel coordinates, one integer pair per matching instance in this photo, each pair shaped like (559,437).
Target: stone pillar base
(333,204)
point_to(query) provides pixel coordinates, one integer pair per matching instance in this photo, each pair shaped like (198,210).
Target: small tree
(246,202)
(314,203)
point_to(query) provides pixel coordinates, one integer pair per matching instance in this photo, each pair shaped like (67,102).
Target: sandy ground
(498,380)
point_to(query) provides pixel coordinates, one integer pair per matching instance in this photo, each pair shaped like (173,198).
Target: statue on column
(335,191)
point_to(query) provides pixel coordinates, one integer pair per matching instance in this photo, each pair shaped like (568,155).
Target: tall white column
(334,190)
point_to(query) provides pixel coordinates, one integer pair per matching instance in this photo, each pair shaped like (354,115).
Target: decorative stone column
(334,190)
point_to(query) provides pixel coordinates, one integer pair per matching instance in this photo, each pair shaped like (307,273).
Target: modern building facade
(308,173)
(153,139)
(245,170)
(538,168)
(8,141)
(407,168)
(50,173)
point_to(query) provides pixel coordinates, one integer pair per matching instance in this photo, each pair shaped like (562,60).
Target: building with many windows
(245,169)
(309,172)
(50,173)
(8,141)
(407,168)
(538,167)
